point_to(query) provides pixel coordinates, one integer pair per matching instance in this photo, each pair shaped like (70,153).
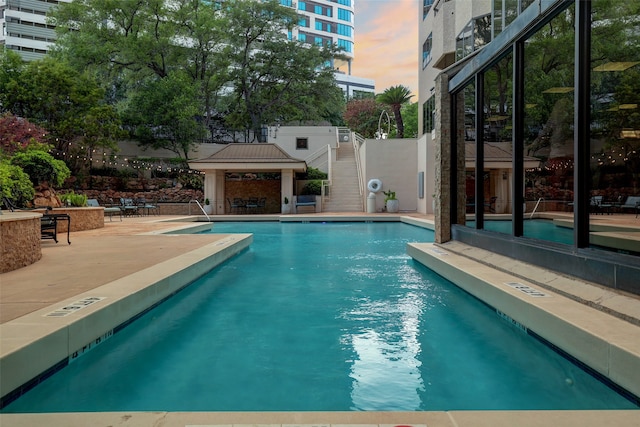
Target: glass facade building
(557,90)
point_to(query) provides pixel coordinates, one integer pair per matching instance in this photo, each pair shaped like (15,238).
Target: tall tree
(363,116)
(275,78)
(138,47)
(395,97)
(68,104)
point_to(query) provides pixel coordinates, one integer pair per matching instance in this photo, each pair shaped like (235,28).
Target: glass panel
(470,149)
(615,121)
(548,128)
(498,135)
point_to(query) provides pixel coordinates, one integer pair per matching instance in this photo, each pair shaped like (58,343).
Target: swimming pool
(320,317)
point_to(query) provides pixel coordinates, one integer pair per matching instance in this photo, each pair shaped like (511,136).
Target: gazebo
(246,160)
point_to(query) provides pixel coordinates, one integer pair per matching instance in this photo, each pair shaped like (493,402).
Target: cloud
(386,39)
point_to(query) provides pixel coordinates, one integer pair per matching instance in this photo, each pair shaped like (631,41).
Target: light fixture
(615,66)
(628,106)
(558,89)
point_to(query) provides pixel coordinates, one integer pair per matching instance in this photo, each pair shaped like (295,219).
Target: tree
(237,60)
(17,134)
(146,50)
(410,119)
(362,116)
(274,78)
(163,112)
(68,104)
(395,97)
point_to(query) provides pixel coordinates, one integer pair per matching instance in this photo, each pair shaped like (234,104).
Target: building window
(505,11)
(426,6)
(302,143)
(426,51)
(428,114)
(475,34)
(345,15)
(346,45)
(345,30)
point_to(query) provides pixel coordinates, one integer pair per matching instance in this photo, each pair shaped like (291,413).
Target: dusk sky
(386,43)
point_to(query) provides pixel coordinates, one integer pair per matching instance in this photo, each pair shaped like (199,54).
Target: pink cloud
(386,43)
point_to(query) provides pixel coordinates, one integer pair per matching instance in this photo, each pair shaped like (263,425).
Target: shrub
(313,173)
(41,167)
(15,184)
(74,199)
(313,187)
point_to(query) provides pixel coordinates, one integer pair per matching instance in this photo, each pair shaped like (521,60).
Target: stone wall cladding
(257,188)
(81,218)
(19,243)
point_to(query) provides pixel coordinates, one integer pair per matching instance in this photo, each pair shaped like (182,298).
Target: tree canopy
(395,97)
(173,68)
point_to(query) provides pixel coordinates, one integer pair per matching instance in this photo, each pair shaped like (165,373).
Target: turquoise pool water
(535,228)
(317,317)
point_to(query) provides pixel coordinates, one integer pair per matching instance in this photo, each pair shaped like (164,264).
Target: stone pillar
(445,143)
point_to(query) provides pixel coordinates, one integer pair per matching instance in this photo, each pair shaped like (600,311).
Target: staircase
(345,190)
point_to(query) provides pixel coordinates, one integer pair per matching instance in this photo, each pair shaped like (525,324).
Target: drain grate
(532,292)
(73,307)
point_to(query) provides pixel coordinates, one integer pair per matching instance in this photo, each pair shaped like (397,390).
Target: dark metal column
(479,184)
(582,121)
(517,194)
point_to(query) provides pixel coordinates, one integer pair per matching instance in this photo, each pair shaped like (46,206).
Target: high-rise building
(24,27)
(329,22)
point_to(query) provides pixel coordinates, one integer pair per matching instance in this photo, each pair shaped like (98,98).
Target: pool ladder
(201,208)
(541,199)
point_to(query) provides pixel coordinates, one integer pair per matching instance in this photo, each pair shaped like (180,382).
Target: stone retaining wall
(19,240)
(81,218)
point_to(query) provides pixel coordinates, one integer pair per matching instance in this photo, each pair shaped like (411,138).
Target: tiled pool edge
(328,419)
(608,345)
(34,344)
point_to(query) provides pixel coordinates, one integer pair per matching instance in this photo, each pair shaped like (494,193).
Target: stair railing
(201,208)
(357,141)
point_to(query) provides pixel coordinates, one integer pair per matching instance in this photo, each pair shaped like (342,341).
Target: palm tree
(396,97)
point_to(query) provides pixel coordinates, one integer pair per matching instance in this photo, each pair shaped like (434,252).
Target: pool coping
(607,344)
(36,345)
(447,418)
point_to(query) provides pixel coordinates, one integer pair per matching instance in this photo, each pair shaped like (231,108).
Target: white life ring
(374,185)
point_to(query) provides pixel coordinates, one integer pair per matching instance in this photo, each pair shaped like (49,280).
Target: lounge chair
(307,200)
(632,203)
(108,210)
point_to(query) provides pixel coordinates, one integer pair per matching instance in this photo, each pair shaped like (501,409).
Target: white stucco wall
(393,161)
(318,138)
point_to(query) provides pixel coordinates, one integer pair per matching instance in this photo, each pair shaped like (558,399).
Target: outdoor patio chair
(128,206)
(108,210)
(252,204)
(237,205)
(262,203)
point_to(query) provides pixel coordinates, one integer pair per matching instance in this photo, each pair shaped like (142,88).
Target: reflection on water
(386,369)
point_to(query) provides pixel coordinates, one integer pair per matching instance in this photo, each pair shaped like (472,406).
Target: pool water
(534,228)
(320,317)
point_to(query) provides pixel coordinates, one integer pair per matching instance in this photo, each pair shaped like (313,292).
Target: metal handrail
(201,208)
(536,207)
(356,152)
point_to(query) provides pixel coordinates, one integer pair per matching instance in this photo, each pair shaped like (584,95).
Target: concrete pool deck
(134,249)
